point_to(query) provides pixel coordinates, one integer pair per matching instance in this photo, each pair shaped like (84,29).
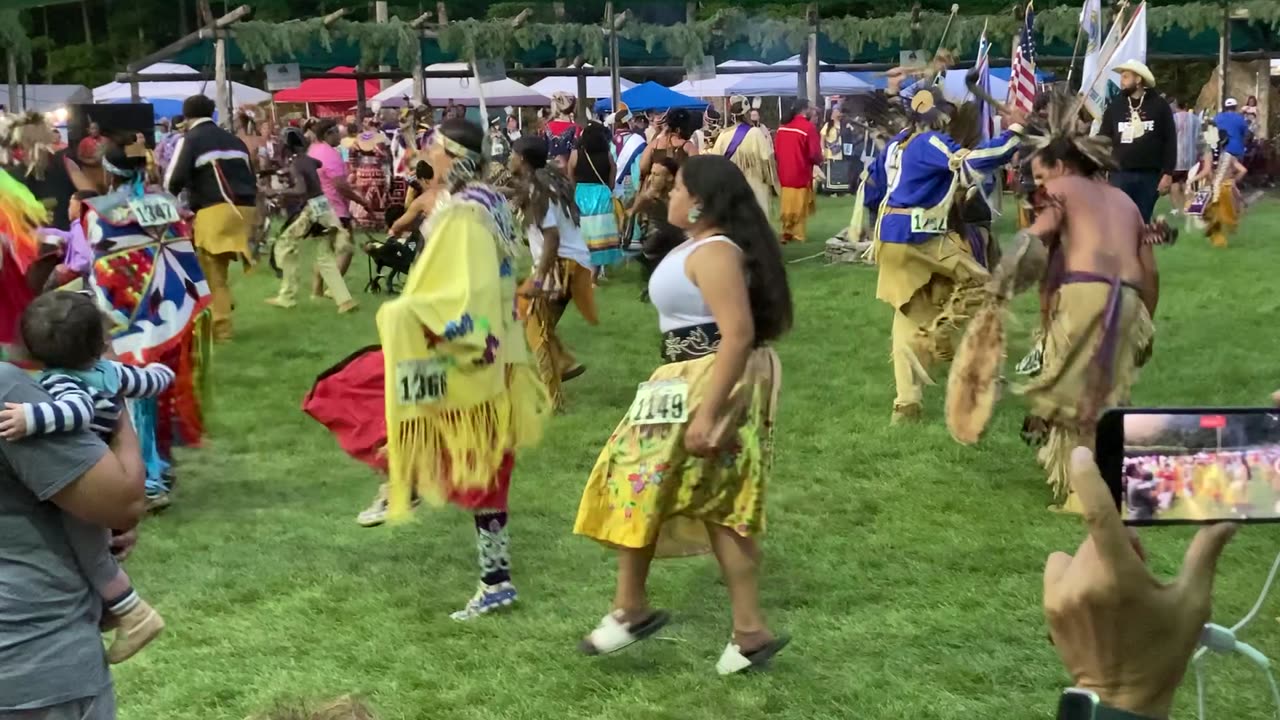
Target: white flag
(1091,31)
(1131,46)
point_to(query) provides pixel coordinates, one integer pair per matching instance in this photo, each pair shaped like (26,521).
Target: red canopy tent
(326,97)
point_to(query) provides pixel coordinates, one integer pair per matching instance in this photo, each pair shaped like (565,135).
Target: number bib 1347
(923,222)
(153,210)
(420,382)
(662,402)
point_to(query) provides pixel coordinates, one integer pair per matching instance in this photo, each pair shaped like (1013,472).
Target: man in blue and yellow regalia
(933,265)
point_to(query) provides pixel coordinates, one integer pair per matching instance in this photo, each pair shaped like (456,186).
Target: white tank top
(678,300)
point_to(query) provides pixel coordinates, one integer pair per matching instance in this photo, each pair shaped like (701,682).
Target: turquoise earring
(695,213)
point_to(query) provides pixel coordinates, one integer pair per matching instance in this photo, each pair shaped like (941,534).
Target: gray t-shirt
(50,646)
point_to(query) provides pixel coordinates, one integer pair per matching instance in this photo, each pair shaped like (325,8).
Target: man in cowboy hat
(1143,136)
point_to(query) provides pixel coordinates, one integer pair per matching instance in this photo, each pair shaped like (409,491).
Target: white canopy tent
(46,98)
(784,83)
(717,86)
(598,86)
(241,94)
(460,91)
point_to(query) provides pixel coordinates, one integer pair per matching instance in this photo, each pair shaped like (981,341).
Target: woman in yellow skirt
(685,471)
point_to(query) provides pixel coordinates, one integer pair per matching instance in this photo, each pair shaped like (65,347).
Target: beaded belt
(690,343)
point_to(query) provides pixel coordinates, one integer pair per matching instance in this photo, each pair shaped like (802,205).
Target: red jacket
(799,151)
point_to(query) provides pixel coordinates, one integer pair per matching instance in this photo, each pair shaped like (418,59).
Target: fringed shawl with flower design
(460,392)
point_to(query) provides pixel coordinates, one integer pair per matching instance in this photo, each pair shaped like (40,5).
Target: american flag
(1022,73)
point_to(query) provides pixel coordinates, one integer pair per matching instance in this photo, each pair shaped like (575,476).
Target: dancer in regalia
(459,393)
(749,147)
(932,264)
(686,469)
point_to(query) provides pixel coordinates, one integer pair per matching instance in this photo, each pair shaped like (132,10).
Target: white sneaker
(487,599)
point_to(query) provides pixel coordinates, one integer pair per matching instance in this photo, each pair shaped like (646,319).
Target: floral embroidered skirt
(645,488)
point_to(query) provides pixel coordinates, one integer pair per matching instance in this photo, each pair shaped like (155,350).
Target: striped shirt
(77,405)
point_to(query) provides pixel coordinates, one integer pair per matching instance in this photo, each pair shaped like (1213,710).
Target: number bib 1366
(420,382)
(923,222)
(153,210)
(662,402)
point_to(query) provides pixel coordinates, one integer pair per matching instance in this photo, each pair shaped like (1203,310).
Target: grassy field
(906,567)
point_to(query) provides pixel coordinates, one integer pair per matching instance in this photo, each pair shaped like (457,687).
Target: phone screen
(1192,466)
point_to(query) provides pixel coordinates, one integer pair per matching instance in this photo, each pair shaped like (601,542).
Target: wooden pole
(1224,54)
(814,88)
(615,79)
(581,105)
(15,100)
(380,14)
(419,82)
(84,17)
(220,79)
(691,12)
(442,13)
(362,101)
(206,31)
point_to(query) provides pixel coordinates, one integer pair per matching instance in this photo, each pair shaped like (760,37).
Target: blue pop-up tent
(652,96)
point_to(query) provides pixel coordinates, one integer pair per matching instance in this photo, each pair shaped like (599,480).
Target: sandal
(733,660)
(613,634)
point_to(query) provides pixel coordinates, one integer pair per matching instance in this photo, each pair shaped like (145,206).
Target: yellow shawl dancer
(750,149)
(460,392)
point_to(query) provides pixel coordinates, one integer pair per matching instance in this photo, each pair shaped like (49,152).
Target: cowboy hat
(1139,69)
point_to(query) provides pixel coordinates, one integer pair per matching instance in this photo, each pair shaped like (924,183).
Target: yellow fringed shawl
(459,389)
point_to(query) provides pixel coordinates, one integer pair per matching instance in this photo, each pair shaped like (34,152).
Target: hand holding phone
(1192,466)
(1120,632)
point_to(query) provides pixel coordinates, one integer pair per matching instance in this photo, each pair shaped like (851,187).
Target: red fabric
(326,90)
(493,498)
(556,127)
(348,399)
(799,151)
(14,296)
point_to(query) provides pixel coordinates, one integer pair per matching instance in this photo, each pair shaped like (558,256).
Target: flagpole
(1075,52)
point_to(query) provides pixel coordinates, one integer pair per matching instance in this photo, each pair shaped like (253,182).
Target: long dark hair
(728,204)
(680,121)
(595,138)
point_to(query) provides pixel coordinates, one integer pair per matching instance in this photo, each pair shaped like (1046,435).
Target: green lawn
(906,567)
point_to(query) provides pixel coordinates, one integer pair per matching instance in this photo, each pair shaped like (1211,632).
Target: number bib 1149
(662,402)
(923,222)
(153,210)
(420,382)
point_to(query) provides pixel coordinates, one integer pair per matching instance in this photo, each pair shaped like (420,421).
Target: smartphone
(1189,466)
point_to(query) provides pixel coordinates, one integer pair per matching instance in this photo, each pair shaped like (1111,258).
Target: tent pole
(583,112)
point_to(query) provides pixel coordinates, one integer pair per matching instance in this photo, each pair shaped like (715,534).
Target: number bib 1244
(661,402)
(923,222)
(421,382)
(153,210)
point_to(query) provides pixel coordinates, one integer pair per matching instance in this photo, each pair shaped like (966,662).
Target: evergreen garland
(380,43)
(264,42)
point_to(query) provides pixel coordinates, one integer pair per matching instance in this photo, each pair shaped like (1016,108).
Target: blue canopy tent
(652,96)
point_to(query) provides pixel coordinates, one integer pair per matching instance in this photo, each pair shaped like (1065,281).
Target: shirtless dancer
(1102,303)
